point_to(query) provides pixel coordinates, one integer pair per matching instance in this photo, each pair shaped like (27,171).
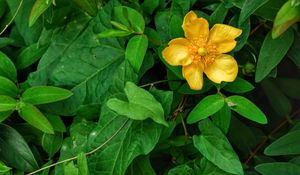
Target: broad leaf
(278,168)
(7,87)
(141,105)
(288,144)
(141,165)
(39,7)
(208,168)
(15,151)
(45,94)
(136,50)
(249,7)
(7,68)
(182,170)
(246,108)
(205,108)
(272,52)
(35,117)
(7,103)
(239,86)
(215,147)
(89,6)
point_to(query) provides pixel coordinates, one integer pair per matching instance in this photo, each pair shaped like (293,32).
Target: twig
(275,130)
(154,83)
(86,154)
(12,19)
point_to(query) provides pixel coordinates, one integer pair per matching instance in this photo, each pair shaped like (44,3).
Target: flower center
(202,51)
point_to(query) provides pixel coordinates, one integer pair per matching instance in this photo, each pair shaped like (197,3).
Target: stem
(86,154)
(274,131)
(12,19)
(154,83)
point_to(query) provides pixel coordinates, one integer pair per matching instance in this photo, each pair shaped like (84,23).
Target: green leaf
(205,108)
(208,168)
(141,166)
(239,86)
(45,94)
(294,53)
(7,87)
(215,147)
(7,68)
(130,18)
(279,102)
(89,6)
(113,33)
(82,164)
(149,6)
(182,170)
(136,50)
(5,114)
(141,105)
(249,7)
(70,168)
(7,103)
(286,16)
(289,86)
(30,55)
(56,122)
(219,14)
(175,26)
(51,143)
(39,7)
(34,117)
(4,169)
(222,118)
(15,151)
(246,108)
(288,144)
(278,168)
(272,52)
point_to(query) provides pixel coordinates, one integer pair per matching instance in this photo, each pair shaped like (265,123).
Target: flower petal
(177,53)
(195,27)
(224,68)
(223,36)
(194,75)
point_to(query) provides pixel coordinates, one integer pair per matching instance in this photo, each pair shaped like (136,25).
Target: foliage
(85,89)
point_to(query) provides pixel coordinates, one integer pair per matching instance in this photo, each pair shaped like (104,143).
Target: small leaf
(182,170)
(29,55)
(278,168)
(5,114)
(7,103)
(45,94)
(249,7)
(205,108)
(136,50)
(130,18)
(272,52)
(239,86)
(246,108)
(39,7)
(82,164)
(285,145)
(51,143)
(56,122)
(70,168)
(7,87)
(141,105)
(7,68)
(113,33)
(215,147)
(15,151)
(34,117)
(89,6)
(4,169)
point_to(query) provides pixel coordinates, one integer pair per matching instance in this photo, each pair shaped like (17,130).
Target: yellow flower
(203,51)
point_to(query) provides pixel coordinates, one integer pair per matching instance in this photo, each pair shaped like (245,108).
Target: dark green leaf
(5,41)
(272,52)
(141,105)
(113,33)
(279,102)
(215,147)
(181,170)
(45,94)
(7,68)
(294,53)
(51,143)
(136,50)
(222,118)
(246,108)
(205,108)
(5,114)
(89,6)
(30,55)
(34,117)
(208,168)
(249,7)
(278,168)
(141,166)
(7,87)
(39,7)
(175,26)
(7,103)
(239,86)
(219,14)
(289,86)
(14,150)
(149,6)
(288,144)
